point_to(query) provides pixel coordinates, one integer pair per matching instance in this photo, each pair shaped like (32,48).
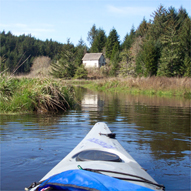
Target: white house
(93,60)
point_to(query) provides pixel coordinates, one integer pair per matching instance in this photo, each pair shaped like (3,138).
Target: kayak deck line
(141,179)
(100,149)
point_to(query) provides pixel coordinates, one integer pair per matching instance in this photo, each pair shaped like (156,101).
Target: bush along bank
(161,86)
(24,95)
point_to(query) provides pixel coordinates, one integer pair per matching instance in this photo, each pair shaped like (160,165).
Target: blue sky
(62,19)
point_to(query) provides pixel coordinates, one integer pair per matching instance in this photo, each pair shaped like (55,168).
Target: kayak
(98,162)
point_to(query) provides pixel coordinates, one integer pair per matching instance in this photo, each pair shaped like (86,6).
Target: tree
(171,58)
(185,40)
(99,41)
(92,34)
(129,39)
(115,64)
(158,25)
(115,50)
(80,50)
(143,28)
(127,65)
(81,72)
(17,49)
(112,39)
(65,67)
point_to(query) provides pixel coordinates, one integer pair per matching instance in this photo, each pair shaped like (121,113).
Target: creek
(154,130)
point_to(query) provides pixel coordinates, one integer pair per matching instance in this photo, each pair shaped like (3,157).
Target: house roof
(92,56)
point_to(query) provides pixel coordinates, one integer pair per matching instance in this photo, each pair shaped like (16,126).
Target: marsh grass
(26,95)
(161,86)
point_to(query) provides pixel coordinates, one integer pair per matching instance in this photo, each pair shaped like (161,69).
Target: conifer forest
(158,47)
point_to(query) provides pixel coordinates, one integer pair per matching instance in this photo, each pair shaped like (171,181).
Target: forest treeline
(158,47)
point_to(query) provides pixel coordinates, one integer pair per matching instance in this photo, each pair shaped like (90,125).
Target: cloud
(37,30)
(130,11)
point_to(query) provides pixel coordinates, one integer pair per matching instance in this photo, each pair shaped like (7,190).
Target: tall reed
(150,85)
(28,95)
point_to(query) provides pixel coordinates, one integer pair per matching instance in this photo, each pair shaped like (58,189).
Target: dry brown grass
(41,67)
(150,85)
(94,73)
(157,83)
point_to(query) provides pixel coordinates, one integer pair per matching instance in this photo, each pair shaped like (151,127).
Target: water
(155,131)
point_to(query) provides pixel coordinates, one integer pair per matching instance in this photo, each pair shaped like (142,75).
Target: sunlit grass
(161,86)
(26,95)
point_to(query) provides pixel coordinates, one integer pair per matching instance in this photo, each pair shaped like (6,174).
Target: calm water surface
(155,131)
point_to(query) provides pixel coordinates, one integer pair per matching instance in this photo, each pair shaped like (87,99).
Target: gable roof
(92,56)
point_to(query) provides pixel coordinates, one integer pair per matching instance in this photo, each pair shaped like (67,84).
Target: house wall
(95,63)
(91,63)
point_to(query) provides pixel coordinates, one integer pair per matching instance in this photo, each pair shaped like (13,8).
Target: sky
(61,20)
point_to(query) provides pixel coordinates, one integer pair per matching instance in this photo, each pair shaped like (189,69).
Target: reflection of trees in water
(163,123)
(40,119)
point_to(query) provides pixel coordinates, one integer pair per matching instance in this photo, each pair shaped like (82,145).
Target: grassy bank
(26,95)
(161,86)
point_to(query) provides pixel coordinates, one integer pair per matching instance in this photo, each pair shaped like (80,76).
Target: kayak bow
(98,162)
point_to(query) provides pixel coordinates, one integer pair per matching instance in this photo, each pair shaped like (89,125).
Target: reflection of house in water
(92,102)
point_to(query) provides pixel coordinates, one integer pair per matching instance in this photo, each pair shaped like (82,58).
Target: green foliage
(160,47)
(92,34)
(149,58)
(29,95)
(143,28)
(99,41)
(81,72)
(115,64)
(17,49)
(69,59)
(158,24)
(186,68)
(127,66)
(65,66)
(112,40)
(129,39)
(171,54)
(115,50)
(166,44)
(80,50)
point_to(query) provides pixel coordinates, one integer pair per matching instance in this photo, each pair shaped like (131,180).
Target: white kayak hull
(97,140)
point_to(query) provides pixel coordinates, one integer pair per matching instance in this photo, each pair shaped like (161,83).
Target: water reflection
(163,123)
(155,131)
(92,102)
(151,126)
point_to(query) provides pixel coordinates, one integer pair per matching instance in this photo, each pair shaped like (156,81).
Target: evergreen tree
(112,39)
(158,26)
(127,66)
(92,34)
(129,39)
(80,50)
(81,72)
(65,67)
(171,58)
(143,28)
(115,64)
(149,56)
(23,49)
(185,39)
(99,41)
(115,50)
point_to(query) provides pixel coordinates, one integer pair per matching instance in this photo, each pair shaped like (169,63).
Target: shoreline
(160,86)
(42,95)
